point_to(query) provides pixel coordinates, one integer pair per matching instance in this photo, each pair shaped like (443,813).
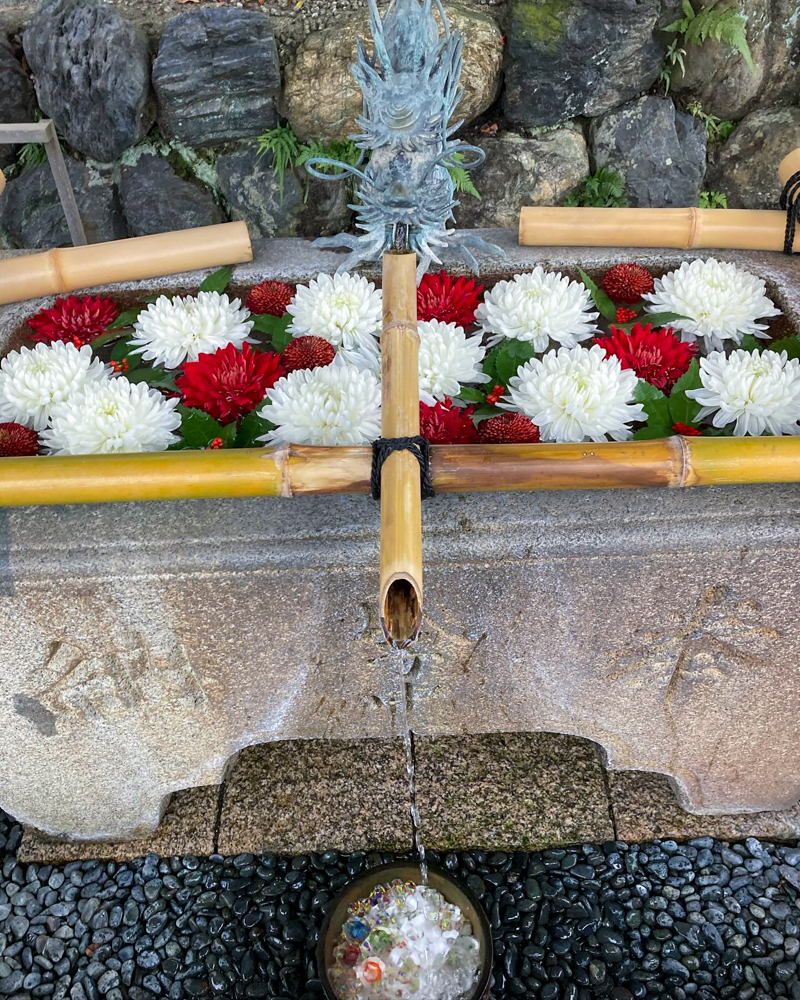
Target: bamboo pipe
(401,507)
(2,181)
(291,471)
(67,269)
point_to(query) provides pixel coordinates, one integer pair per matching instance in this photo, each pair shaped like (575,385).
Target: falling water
(406,658)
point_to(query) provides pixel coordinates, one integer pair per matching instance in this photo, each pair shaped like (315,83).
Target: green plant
(721,23)
(712,199)
(605,189)
(673,57)
(29,155)
(461,178)
(285,148)
(717,130)
(345,150)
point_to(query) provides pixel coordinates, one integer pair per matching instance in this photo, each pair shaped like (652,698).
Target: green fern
(712,199)
(717,130)
(285,148)
(605,189)
(720,24)
(461,178)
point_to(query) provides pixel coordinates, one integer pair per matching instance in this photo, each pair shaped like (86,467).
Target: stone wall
(159,104)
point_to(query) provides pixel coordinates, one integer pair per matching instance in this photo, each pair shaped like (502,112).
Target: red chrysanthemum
(76,320)
(451,300)
(229,383)
(307,352)
(627,283)
(270,297)
(447,424)
(686,430)
(508,428)
(625,315)
(657,356)
(16,440)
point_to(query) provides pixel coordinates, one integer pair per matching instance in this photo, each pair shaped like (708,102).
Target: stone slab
(510,791)
(188,827)
(317,795)
(645,808)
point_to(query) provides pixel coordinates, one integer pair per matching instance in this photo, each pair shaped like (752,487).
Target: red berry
(625,315)
(214,443)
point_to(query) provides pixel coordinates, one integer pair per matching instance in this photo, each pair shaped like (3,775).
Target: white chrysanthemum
(33,380)
(577,394)
(171,331)
(112,417)
(539,307)
(759,390)
(335,405)
(344,309)
(721,301)
(448,359)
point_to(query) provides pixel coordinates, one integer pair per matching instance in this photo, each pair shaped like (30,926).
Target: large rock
(327,210)
(577,57)
(518,171)
(215,76)
(92,71)
(747,168)
(255,193)
(32,217)
(321,99)
(156,200)
(661,152)
(719,78)
(16,95)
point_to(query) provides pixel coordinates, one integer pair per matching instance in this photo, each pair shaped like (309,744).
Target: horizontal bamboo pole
(292,470)
(70,268)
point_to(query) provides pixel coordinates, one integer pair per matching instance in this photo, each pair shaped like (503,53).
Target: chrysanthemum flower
(307,352)
(722,302)
(335,405)
(508,428)
(657,356)
(33,380)
(17,441)
(229,383)
(686,430)
(448,299)
(759,390)
(270,297)
(577,394)
(627,283)
(171,331)
(448,359)
(76,320)
(444,423)
(538,307)
(344,309)
(112,417)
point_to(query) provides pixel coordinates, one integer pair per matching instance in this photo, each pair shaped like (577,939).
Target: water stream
(405,661)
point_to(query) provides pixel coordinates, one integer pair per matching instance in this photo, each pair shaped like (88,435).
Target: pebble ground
(705,919)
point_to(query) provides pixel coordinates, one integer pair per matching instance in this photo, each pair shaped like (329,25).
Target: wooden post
(401,506)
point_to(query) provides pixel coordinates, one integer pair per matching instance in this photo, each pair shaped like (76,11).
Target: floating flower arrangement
(538,357)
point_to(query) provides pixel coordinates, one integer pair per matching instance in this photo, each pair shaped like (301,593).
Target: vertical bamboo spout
(401,508)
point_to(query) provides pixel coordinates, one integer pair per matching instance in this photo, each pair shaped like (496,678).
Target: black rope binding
(421,450)
(791,204)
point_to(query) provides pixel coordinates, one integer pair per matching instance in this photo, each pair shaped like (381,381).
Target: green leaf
(690,378)
(645,392)
(601,300)
(470,395)
(651,431)
(105,338)
(789,344)
(682,409)
(217,281)
(198,428)
(127,318)
(750,344)
(484,412)
(252,427)
(656,320)
(276,328)
(490,364)
(228,434)
(158,378)
(511,355)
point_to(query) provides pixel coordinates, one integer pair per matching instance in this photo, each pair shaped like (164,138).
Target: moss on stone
(540,22)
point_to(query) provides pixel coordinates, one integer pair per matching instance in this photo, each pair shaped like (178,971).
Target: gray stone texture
(215,76)
(565,59)
(31,214)
(254,192)
(156,200)
(521,170)
(143,645)
(321,99)
(92,71)
(660,151)
(746,169)
(719,78)
(17,103)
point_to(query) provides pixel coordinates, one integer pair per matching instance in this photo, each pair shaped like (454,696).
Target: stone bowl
(452,890)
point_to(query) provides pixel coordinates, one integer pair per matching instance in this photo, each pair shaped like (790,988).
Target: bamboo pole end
(401,609)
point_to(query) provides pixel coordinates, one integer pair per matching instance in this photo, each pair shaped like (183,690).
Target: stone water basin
(143,645)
